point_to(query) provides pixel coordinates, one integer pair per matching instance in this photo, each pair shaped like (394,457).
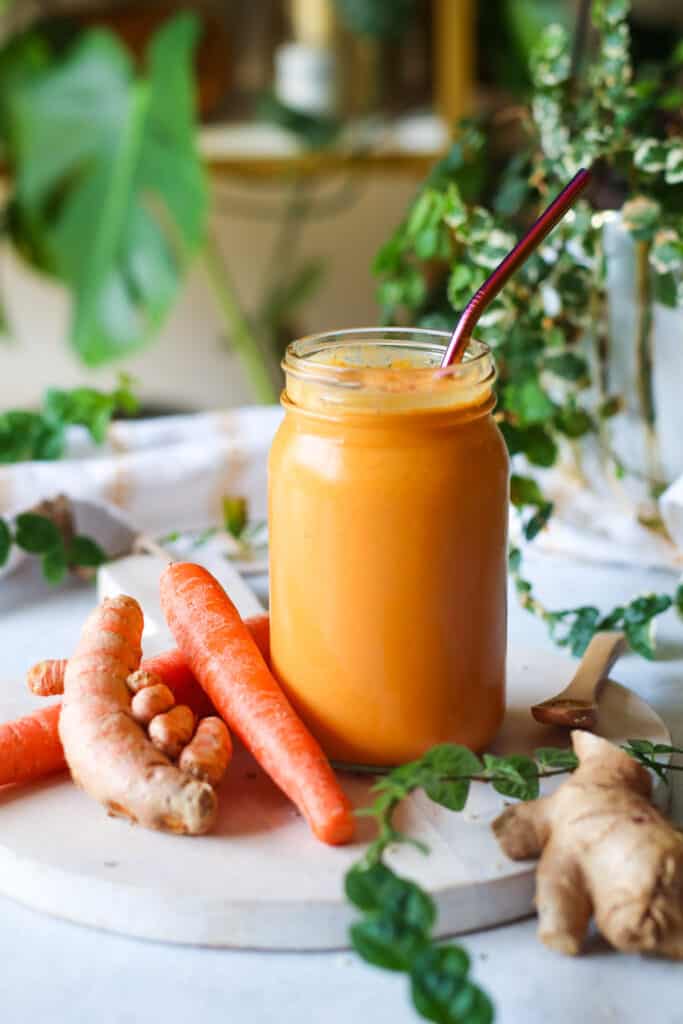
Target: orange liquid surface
(388,539)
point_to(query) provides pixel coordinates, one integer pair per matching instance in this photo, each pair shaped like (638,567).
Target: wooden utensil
(576,706)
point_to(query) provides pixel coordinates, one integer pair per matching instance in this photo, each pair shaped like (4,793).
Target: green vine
(546,328)
(396,929)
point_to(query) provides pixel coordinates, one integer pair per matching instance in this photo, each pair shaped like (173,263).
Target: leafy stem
(398,917)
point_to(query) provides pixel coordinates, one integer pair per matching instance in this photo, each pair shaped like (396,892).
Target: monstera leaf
(110,195)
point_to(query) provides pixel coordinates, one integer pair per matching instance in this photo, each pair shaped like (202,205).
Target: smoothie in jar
(388,545)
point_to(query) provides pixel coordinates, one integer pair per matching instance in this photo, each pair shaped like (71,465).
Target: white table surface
(72,975)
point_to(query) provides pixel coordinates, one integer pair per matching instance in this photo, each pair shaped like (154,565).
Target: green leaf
(386,942)
(567,365)
(650,156)
(25,436)
(678,599)
(666,254)
(86,407)
(539,520)
(641,215)
(574,627)
(441,991)
(515,776)
(36,534)
(639,624)
(5,542)
(666,289)
(448,761)
(86,552)
(528,401)
(525,491)
(379,890)
(235,515)
(674,165)
(610,12)
(556,757)
(550,59)
(54,564)
(109,186)
(572,420)
(534,442)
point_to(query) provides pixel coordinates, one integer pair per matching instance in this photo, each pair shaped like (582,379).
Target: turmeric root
(108,753)
(208,754)
(171,731)
(151,701)
(47,677)
(605,851)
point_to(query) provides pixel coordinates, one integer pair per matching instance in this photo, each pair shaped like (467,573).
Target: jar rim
(299,360)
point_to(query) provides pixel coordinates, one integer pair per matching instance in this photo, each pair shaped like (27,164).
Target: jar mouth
(385,358)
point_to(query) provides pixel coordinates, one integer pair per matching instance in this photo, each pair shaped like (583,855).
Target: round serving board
(261,880)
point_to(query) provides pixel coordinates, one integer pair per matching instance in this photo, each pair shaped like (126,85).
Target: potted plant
(565,402)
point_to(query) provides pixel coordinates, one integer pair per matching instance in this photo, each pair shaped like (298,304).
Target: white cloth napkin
(163,474)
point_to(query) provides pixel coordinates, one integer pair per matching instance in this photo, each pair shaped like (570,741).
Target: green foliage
(398,917)
(39,535)
(25,436)
(544,327)
(109,192)
(574,628)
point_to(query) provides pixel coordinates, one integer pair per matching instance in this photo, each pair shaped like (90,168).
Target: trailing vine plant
(396,929)
(547,328)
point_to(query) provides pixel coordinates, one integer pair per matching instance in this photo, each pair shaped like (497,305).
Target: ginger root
(208,754)
(151,701)
(171,731)
(605,851)
(108,753)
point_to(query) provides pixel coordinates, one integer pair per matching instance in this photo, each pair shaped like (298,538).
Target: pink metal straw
(514,259)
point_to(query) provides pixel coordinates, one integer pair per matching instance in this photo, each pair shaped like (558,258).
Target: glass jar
(388,482)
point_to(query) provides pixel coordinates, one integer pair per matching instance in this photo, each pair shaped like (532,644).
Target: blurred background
(316,121)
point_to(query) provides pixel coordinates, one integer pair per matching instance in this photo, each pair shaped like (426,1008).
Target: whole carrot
(226,661)
(30,747)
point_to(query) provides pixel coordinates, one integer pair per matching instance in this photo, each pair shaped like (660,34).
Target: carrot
(46,679)
(108,753)
(30,747)
(226,661)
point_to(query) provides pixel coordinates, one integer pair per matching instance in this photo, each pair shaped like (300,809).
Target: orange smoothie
(388,545)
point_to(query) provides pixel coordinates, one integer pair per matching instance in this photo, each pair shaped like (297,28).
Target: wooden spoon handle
(601,654)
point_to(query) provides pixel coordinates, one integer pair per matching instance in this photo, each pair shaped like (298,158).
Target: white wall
(188,366)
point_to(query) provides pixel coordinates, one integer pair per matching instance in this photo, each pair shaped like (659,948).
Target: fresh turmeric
(605,851)
(108,753)
(208,754)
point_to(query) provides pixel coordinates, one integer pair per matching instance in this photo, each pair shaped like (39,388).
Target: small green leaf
(36,534)
(55,564)
(678,599)
(451,766)
(515,776)
(556,757)
(666,290)
(650,156)
(674,165)
(574,627)
(641,215)
(525,491)
(5,542)
(639,618)
(666,254)
(539,520)
(441,991)
(567,365)
(534,442)
(528,401)
(572,420)
(235,515)
(378,889)
(610,407)
(515,561)
(386,942)
(86,552)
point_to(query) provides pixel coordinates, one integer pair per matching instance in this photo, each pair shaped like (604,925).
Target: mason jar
(388,495)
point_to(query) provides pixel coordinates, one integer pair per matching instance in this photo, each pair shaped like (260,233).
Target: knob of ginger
(171,731)
(605,852)
(208,754)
